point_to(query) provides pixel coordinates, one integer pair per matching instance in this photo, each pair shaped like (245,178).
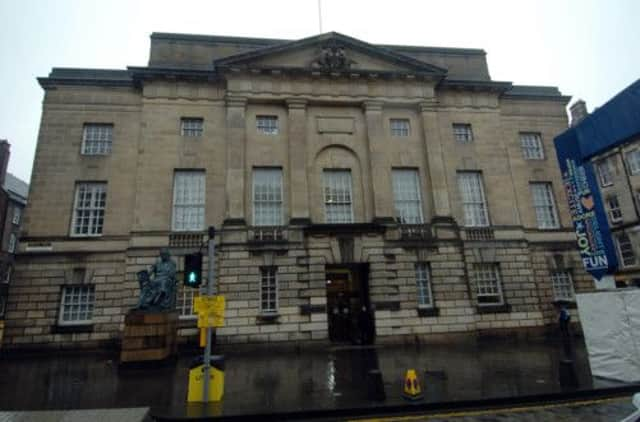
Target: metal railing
(267,233)
(479,233)
(415,231)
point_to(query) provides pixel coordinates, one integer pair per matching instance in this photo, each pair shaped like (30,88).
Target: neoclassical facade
(393,190)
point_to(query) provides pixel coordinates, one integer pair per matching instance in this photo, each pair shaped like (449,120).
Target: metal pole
(210,292)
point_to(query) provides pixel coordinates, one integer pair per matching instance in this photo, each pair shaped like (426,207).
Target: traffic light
(192,270)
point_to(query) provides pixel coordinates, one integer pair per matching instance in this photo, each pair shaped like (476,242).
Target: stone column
(298,185)
(380,165)
(435,159)
(236,145)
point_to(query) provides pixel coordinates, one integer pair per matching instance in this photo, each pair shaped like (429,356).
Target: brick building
(341,175)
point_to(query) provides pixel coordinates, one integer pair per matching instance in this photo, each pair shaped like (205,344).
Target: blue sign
(587,210)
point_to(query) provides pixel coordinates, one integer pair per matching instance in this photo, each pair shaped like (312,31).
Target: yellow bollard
(411,386)
(203,337)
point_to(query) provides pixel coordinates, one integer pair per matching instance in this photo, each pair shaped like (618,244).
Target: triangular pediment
(330,52)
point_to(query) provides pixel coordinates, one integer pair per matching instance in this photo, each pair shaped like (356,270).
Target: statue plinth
(149,336)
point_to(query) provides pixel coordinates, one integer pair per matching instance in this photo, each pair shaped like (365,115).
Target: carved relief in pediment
(332,57)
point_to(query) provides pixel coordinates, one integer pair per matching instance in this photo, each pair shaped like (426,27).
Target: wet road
(265,382)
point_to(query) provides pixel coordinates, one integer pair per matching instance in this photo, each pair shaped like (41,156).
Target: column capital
(429,104)
(296,103)
(372,105)
(236,101)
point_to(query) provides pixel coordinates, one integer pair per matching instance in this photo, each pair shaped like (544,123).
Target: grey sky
(588,48)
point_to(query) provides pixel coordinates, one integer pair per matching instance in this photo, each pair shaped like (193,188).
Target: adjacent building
(613,133)
(348,181)
(13,198)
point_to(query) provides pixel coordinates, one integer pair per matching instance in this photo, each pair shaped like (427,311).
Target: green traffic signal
(192,270)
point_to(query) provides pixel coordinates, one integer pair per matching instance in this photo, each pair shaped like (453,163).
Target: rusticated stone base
(149,336)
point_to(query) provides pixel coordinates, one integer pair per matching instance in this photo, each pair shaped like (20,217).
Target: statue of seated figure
(158,285)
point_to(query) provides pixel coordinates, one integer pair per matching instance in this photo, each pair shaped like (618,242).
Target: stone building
(396,185)
(13,198)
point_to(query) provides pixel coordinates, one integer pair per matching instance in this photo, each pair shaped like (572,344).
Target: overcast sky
(590,49)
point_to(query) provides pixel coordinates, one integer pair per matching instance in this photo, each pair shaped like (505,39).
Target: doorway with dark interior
(349,311)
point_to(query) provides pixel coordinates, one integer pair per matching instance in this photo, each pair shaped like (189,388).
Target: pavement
(263,382)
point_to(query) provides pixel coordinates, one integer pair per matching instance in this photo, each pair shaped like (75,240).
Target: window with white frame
(188,200)
(488,286)
(531,143)
(17,213)
(613,206)
(191,126)
(184,302)
(267,196)
(605,171)
(423,281)
(544,205)
(406,194)
(76,306)
(12,243)
(473,199)
(337,196)
(88,209)
(625,250)
(462,133)
(268,290)
(399,127)
(97,139)
(562,285)
(267,125)
(633,160)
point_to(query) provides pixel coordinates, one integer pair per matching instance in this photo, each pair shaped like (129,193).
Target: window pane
(399,127)
(337,196)
(88,214)
(488,288)
(625,250)
(562,286)
(424,285)
(633,160)
(191,126)
(97,139)
(188,200)
(267,125)
(268,290)
(473,199)
(267,197)
(77,304)
(406,192)
(462,133)
(544,205)
(532,146)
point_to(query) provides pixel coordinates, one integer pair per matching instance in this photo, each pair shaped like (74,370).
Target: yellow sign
(196,379)
(210,311)
(411,386)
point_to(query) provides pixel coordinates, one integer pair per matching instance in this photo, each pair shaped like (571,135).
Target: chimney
(4,159)
(578,112)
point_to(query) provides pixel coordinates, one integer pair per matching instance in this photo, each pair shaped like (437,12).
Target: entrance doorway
(348,304)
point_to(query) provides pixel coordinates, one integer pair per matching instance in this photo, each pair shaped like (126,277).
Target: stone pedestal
(149,336)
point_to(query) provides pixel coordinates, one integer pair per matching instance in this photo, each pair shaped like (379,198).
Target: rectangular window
(615,213)
(76,306)
(531,146)
(188,200)
(97,139)
(191,126)
(337,196)
(544,205)
(625,250)
(423,281)
(267,197)
(462,133)
(562,285)
(399,127)
(605,171)
(12,243)
(184,302)
(406,194)
(473,200)
(633,160)
(488,288)
(268,290)
(88,209)
(267,125)
(17,213)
